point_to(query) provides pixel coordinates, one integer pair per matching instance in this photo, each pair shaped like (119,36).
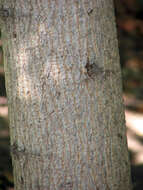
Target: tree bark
(64,93)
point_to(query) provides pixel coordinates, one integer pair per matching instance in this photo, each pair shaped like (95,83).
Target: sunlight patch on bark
(22,75)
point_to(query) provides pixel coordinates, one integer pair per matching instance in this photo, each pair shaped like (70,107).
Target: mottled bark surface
(64,95)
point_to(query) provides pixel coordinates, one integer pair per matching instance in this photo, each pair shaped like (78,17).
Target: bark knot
(94,71)
(66,186)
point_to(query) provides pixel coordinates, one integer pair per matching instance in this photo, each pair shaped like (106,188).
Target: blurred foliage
(129,16)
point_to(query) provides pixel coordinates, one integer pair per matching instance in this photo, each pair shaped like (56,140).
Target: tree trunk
(64,93)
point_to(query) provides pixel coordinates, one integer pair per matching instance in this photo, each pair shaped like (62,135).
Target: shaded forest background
(129,19)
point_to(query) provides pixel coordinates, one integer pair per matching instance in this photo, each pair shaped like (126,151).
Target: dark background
(129,19)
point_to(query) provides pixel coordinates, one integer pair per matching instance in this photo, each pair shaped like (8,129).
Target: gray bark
(64,93)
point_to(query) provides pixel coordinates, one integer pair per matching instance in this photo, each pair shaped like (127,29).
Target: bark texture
(64,92)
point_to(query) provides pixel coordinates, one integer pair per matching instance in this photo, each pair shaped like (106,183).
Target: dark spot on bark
(14,35)
(89,11)
(4,13)
(21,180)
(93,69)
(14,147)
(51,112)
(15,151)
(126,163)
(66,186)
(120,136)
(58,94)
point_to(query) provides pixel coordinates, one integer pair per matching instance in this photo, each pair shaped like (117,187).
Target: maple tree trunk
(64,93)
